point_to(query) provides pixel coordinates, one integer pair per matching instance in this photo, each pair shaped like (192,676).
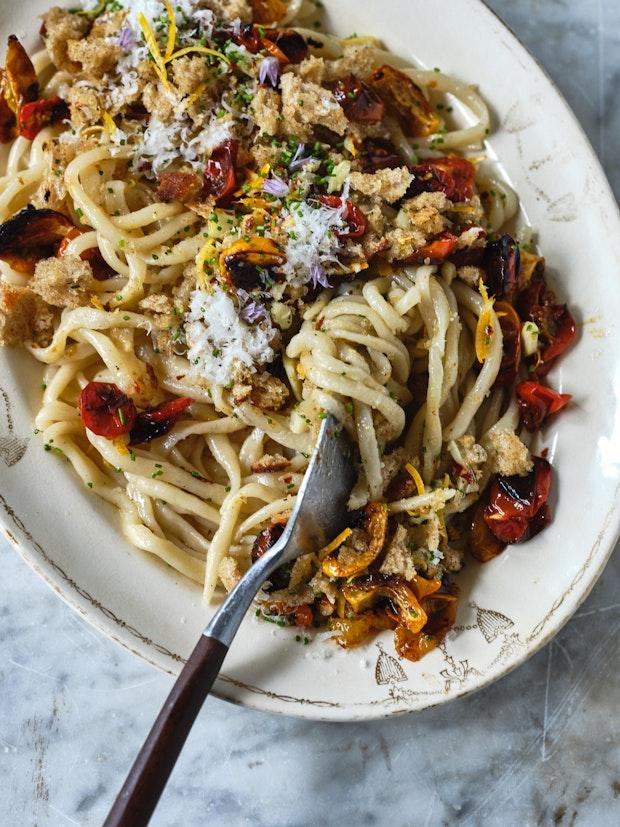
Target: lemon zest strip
(172,30)
(337,541)
(413,473)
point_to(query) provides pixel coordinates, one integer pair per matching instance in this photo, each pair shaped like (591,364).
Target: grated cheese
(220,342)
(310,239)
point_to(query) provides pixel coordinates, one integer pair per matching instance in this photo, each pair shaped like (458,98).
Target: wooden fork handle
(147,778)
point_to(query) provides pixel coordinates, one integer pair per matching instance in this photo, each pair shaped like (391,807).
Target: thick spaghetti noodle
(216,232)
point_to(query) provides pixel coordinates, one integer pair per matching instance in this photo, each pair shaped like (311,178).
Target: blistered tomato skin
(220,179)
(517,507)
(158,421)
(452,175)
(106,410)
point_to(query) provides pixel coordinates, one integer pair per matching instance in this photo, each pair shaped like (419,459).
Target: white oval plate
(509,607)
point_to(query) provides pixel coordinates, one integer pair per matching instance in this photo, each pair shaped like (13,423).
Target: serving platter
(510,607)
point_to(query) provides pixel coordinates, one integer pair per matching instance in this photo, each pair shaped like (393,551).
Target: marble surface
(539,747)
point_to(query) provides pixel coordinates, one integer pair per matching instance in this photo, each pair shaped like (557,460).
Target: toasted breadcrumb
(311,69)
(58,29)
(389,184)
(358,59)
(188,72)
(228,572)
(97,55)
(24,317)
(398,559)
(507,454)
(85,106)
(157,303)
(266,110)
(305,105)
(268,463)
(470,275)
(63,282)
(263,390)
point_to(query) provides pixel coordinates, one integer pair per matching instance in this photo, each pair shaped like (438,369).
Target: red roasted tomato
(517,508)
(220,178)
(157,421)
(106,410)
(537,402)
(452,175)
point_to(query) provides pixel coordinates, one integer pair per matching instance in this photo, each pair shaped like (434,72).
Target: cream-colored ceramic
(509,607)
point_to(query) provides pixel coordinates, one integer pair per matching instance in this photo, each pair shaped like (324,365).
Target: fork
(319,514)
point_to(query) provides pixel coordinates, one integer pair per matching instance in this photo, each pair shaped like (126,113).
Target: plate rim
(106,622)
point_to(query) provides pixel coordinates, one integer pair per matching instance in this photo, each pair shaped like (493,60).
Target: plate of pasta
(221,222)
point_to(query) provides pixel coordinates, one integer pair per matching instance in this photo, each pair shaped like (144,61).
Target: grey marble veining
(539,747)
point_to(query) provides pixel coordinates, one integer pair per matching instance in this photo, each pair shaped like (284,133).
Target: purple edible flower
(298,162)
(126,39)
(276,186)
(252,312)
(269,70)
(318,275)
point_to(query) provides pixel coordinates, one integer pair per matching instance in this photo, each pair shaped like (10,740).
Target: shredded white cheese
(310,239)
(220,342)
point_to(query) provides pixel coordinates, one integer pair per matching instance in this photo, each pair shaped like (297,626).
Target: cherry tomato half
(537,402)
(106,410)
(220,177)
(452,175)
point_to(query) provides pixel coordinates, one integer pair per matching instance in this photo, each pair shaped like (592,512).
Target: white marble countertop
(539,747)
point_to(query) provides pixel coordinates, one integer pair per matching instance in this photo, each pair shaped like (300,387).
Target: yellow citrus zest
(200,50)
(172,30)
(153,47)
(415,476)
(337,541)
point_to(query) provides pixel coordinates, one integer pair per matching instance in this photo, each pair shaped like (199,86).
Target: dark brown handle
(147,778)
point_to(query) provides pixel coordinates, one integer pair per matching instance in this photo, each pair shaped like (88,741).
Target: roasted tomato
(157,421)
(245,35)
(375,525)
(20,84)
(359,101)
(106,410)
(33,117)
(288,42)
(268,11)
(537,402)
(100,267)
(354,217)
(483,544)
(437,250)
(364,592)
(8,123)
(355,630)
(452,175)
(241,263)
(268,537)
(517,507)
(304,616)
(379,153)
(220,177)
(32,235)
(501,265)
(556,325)
(406,101)
(441,610)
(510,324)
